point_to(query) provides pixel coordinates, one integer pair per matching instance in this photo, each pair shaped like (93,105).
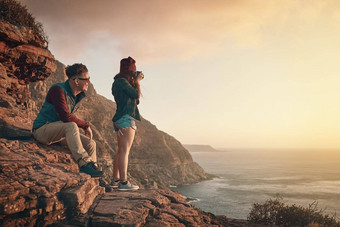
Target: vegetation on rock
(275,212)
(13,12)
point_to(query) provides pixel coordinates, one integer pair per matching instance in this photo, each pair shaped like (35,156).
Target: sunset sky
(232,74)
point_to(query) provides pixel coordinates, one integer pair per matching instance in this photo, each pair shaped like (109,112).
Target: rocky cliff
(39,185)
(23,59)
(42,185)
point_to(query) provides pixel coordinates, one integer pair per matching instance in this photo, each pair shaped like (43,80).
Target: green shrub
(17,14)
(276,212)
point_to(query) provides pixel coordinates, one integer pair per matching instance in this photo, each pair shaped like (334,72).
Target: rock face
(41,185)
(150,208)
(156,158)
(23,59)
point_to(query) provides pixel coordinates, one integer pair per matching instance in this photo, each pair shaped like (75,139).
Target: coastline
(250,177)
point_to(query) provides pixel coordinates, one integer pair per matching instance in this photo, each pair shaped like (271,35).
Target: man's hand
(88,132)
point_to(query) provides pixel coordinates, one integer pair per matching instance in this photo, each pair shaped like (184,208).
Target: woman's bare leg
(125,139)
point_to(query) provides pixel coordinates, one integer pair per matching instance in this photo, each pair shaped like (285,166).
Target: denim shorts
(125,121)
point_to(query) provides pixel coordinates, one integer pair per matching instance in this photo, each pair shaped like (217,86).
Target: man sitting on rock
(57,123)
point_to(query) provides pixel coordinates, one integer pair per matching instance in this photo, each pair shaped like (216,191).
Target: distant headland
(199,148)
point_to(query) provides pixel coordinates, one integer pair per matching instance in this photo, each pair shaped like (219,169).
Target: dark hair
(127,65)
(75,69)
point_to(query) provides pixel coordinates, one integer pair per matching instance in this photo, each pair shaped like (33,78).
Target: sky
(231,74)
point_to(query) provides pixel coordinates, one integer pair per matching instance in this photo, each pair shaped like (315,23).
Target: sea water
(246,177)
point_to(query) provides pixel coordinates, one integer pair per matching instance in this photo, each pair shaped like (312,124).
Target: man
(56,122)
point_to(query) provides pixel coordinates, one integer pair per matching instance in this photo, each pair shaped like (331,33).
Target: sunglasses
(86,79)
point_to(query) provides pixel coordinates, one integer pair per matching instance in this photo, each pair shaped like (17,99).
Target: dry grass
(17,14)
(275,212)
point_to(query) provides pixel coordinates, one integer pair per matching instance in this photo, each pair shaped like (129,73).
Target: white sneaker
(127,187)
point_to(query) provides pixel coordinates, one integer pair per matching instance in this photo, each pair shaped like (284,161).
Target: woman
(126,92)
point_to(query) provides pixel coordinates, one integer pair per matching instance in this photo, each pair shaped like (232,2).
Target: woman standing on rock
(126,92)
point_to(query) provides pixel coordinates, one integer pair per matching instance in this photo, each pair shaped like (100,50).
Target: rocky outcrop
(15,35)
(148,208)
(41,185)
(23,59)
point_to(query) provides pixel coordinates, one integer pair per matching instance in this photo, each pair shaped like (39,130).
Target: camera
(139,73)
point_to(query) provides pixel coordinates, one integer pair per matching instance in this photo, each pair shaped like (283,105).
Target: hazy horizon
(243,74)
(307,149)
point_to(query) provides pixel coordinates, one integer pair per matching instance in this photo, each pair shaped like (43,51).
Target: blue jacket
(126,98)
(49,114)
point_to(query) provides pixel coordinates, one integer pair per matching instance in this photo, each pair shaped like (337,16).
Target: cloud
(156,30)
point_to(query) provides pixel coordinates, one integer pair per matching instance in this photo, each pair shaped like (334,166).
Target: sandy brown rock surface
(152,208)
(40,184)
(23,59)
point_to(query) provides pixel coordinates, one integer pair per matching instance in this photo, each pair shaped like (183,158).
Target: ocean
(246,177)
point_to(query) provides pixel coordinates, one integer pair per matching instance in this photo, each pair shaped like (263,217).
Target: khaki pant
(82,148)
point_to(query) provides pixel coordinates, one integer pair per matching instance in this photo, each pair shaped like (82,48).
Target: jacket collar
(68,89)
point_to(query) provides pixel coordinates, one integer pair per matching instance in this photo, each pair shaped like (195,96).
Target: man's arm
(56,97)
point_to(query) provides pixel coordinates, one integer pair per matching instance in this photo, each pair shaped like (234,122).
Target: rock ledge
(148,207)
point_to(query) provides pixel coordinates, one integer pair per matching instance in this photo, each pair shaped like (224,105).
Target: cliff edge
(41,185)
